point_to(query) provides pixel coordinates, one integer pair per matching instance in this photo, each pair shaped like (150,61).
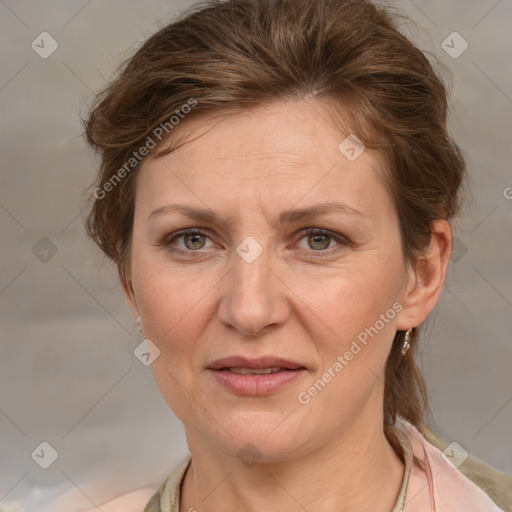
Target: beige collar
(168,497)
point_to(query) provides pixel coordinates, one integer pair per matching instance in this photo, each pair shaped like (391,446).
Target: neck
(359,471)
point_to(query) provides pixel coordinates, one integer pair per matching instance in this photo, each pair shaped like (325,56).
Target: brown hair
(228,56)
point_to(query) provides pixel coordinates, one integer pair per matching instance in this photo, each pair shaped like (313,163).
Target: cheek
(360,313)
(358,308)
(173,310)
(354,294)
(169,296)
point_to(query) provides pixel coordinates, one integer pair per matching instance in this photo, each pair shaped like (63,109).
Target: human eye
(193,241)
(318,240)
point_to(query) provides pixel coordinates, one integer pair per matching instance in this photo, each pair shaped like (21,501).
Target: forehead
(284,152)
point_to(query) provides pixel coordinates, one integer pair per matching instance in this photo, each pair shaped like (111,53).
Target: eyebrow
(286,216)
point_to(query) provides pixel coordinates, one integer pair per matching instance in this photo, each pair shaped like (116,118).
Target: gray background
(68,374)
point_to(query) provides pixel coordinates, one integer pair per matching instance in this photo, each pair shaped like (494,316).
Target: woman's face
(255,285)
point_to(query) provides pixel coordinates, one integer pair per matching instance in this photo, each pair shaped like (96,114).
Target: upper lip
(257,363)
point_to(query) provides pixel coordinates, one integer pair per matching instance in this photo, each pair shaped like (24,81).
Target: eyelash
(342,241)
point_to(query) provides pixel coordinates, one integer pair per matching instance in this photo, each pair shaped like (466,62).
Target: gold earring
(406,346)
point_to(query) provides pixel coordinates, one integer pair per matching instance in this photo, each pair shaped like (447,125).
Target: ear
(426,279)
(128,293)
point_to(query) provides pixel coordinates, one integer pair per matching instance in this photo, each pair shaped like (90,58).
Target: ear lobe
(426,280)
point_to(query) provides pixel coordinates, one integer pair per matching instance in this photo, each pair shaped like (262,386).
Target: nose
(254,296)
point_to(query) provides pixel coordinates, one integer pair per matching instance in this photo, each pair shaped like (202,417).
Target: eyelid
(340,239)
(184,232)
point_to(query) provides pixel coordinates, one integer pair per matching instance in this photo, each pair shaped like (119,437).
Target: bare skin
(305,298)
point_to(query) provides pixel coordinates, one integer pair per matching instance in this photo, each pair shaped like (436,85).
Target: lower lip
(256,385)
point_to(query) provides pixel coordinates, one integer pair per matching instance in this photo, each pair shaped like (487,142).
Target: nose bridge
(250,297)
(252,255)
(251,274)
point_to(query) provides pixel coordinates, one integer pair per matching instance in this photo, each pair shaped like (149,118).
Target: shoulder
(495,483)
(134,501)
(459,481)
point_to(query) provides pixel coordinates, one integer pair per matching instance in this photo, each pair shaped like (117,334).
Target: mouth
(269,364)
(257,371)
(255,377)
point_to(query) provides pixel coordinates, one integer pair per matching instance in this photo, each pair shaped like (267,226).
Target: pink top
(434,482)
(431,481)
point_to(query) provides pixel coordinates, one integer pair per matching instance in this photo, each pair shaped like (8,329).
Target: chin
(260,435)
